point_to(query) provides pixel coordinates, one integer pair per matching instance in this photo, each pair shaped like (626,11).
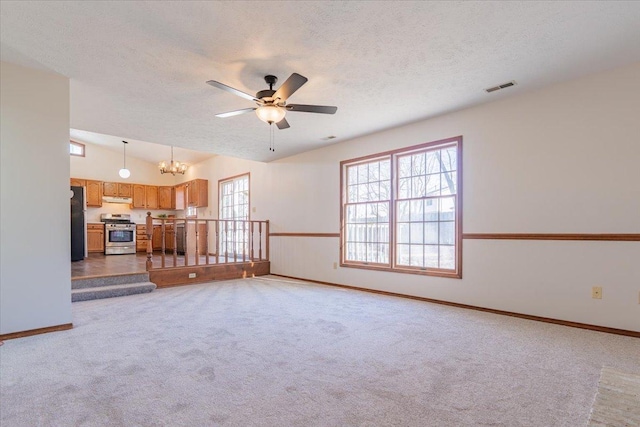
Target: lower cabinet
(95,237)
(168,238)
(141,238)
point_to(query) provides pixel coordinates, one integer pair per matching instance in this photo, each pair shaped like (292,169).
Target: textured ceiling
(138,69)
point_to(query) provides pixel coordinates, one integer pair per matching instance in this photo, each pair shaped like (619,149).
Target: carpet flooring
(272,352)
(618,400)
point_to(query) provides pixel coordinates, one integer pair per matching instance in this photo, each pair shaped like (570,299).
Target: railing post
(163,230)
(217,245)
(197,241)
(260,240)
(175,243)
(267,239)
(149,231)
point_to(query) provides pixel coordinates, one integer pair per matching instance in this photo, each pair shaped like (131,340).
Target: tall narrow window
(401,210)
(234,209)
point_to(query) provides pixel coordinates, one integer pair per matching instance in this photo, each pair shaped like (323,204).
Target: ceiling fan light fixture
(270,113)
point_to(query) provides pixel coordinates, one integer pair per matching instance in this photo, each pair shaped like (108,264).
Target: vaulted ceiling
(138,69)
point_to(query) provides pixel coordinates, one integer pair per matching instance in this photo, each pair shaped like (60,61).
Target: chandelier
(172,167)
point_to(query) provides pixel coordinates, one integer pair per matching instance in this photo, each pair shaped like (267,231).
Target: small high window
(76,149)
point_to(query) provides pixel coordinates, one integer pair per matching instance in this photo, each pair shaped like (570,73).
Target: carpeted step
(111,291)
(120,279)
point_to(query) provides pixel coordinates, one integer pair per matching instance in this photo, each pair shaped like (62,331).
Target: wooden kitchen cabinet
(116,189)
(95,237)
(179,197)
(144,197)
(157,237)
(151,196)
(165,198)
(75,182)
(141,238)
(198,193)
(94,193)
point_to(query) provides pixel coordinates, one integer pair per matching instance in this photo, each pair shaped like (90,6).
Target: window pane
(363,173)
(433,185)
(404,230)
(374,172)
(431,256)
(418,186)
(404,167)
(449,159)
(417,210)
(417,232)
(383,232)
(447,209)
(404,188)
(403,211)
(431,210)
(433,162)
(417,256)
(352,194)
(417,163)
(352,175)
(447,257)
(431,232)
(403,254)
(447,233)
(385,170)
(448,181)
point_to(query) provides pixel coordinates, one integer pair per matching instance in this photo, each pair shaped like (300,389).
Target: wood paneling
(488,310)
(38,331)
(207,273)
(555,236)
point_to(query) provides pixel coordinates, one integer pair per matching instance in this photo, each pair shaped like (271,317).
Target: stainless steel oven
(119,234)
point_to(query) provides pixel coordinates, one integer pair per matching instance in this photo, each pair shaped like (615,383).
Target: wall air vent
(328,138)
(502,86)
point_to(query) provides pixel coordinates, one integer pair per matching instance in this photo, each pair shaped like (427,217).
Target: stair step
(120,279)
(110,291)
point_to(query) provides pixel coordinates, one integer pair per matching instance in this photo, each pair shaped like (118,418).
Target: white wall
(560,160)
(103,165)
(35,279)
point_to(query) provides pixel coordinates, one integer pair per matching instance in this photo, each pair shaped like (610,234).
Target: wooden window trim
(231,178)
(77,144)
(393,154)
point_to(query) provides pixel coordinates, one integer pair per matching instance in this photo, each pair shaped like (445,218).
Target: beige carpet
(617,403)
(271,352)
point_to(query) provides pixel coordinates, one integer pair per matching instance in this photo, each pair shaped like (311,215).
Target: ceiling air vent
(328,138)
(502,86)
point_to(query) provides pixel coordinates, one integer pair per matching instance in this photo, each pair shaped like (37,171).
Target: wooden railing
(193,242)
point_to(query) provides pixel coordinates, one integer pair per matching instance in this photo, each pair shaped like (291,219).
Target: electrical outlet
(253,209)
(596,292)
(335,265)
(192,275)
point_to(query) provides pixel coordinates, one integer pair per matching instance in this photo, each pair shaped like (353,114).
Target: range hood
(111,199)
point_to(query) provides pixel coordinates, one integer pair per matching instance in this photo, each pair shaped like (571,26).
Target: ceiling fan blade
(283,124)
(293,83)
(324,109)
(235,112)
(232,90)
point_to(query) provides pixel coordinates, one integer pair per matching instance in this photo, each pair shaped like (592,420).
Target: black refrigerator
(78,232)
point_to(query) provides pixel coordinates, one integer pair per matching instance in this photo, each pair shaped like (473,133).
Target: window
(401,210)
(76,149)
(234,207)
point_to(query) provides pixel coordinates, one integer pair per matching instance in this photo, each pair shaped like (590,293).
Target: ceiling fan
(272,104)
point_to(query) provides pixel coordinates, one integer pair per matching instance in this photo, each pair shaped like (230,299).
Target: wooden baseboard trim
(38,331)
(553,236)
(473,307)
(304,234)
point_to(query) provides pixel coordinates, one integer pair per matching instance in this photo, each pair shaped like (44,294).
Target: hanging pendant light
(172,167)
(124,172)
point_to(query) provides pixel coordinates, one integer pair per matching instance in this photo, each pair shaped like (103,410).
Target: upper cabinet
(117,189)
(198,193)
(166,199)
(144,197)
(180,197)
(94,191)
